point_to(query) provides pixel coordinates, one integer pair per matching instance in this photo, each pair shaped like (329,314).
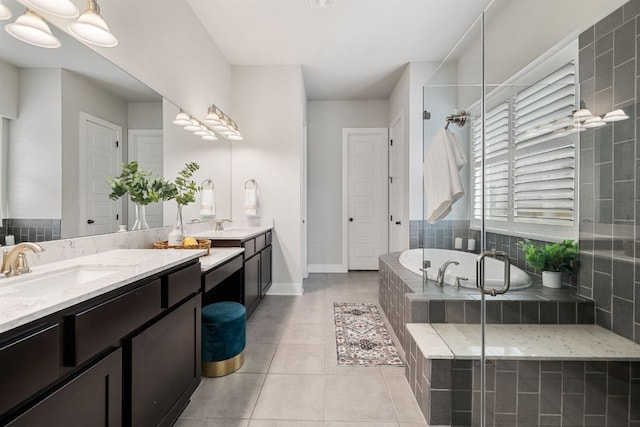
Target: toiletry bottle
(175,237)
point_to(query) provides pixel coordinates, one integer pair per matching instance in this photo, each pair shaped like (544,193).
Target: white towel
(250,202)
(208,202)
(443,185)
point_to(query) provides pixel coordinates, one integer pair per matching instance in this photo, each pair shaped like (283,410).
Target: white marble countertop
(233,233)
(537,342)
(217,256)
(58,285)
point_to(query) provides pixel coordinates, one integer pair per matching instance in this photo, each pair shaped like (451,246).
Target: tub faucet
(442,270)
(14,262)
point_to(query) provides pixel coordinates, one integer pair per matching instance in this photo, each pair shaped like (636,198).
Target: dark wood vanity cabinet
(257,266)
(129,357)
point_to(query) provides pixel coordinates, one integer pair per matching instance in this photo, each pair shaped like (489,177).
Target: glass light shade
(220,128)
(202,131)
(182,119)
(213,116)
(582,114)
(193,126)
(32,29)
(91,28)
(594,122)
(209,137)
(615,116)
(235,137)
(5,13)
(59,8)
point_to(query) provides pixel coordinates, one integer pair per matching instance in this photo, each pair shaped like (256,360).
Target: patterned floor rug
(361,337)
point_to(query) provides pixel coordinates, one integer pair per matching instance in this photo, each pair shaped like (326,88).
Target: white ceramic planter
(552,279)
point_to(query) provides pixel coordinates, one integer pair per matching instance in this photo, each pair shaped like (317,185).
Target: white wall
(324,159)
(9,90)
(214,158)
(268,106)
(145,115)
(82,95)
(35,147)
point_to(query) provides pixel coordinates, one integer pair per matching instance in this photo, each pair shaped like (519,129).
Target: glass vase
(179,222)
(141,218)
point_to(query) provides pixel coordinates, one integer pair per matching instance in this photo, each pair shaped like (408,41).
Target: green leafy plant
(183,189)
(142,187)
(551,256)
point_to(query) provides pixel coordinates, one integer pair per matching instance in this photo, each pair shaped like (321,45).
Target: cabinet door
(265,270)
(93,398)
(251,283)
(165,366)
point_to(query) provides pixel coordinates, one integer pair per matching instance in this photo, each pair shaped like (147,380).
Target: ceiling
(355,50)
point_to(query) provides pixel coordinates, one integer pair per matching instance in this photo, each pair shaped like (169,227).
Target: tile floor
(290,376)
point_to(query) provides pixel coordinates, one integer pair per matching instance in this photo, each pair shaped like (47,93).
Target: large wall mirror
(62,111)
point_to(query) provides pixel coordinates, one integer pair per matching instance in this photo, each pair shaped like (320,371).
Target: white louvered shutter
(496,164)
(545,150)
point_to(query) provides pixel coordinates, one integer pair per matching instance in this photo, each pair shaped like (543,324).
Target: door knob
(350,219)
(90,221)
(398,222)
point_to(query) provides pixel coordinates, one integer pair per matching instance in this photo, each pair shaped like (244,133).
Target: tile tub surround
(591,386)
(404,300)
(609,71)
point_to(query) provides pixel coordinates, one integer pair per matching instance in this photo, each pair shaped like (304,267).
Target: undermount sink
(27,286)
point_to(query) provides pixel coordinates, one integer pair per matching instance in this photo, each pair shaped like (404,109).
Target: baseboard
(328,268)
(285,289)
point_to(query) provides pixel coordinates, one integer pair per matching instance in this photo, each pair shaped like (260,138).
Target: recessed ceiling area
(354,50)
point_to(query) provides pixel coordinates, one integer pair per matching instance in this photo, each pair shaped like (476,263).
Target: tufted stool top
(222,312)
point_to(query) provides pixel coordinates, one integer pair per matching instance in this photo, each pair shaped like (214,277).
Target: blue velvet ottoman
(223,338)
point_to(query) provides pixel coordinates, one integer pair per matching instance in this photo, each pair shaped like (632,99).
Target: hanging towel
(250,202)
(442,182)
(208,202)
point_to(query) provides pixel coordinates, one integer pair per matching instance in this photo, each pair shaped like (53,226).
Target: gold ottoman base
(223,367)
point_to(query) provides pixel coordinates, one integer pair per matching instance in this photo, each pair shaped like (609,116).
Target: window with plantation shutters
(544,154)
(530,158)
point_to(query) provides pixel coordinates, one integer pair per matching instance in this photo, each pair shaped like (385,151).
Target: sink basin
(27,286)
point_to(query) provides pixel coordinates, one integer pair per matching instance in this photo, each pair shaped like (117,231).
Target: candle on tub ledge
(9,240)
(457,243)
(471,245)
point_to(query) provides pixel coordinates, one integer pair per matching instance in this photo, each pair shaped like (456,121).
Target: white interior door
(365,152)
(397,224)
(101,154)
(145,147)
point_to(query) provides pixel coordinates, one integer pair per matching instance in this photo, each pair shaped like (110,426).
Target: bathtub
(494,269)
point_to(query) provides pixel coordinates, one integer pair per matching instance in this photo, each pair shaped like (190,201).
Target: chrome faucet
(14,262)
(219,224)
(442,270)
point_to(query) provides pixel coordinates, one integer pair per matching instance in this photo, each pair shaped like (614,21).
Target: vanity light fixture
(60,8)
(594,122)
(615,116)
(210,136)
(234,134)
(193,126)
(182,119)
(582,114)
(5,13)
(213,116)
(31,28)
(91,28)
(202,131)
(223,125)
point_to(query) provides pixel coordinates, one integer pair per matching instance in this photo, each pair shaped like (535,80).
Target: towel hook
(252,181)
(206,183)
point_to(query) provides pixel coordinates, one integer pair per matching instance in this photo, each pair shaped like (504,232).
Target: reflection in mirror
(69,118)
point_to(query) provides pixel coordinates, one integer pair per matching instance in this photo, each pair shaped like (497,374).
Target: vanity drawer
(249,248)
(27,365)
(179,285)
(91,331)
(269,237)
(261,242)
(216,277)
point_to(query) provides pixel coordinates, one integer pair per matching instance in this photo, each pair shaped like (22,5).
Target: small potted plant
(142,188)
(552,258)
(183,189)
